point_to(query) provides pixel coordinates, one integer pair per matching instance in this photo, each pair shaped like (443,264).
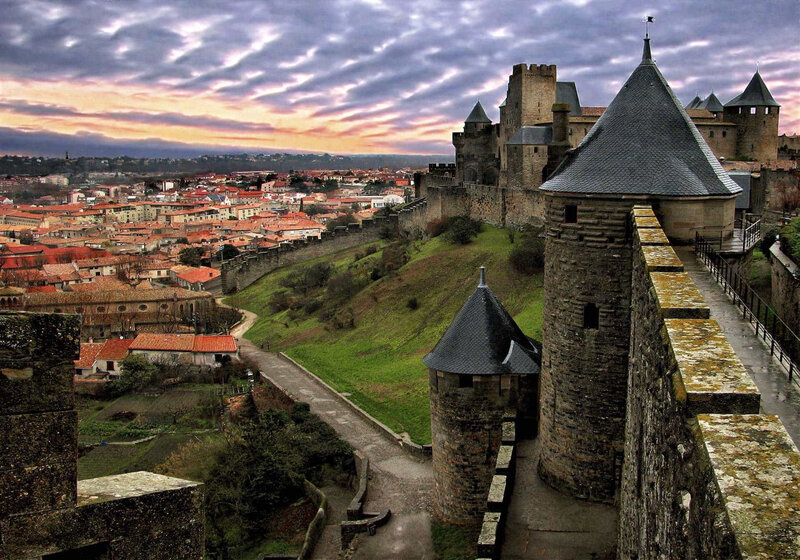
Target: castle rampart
(249,266)
(705,475)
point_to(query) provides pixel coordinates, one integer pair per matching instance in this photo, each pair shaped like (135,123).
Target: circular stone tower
(482,366)
(644,149)
(756,114)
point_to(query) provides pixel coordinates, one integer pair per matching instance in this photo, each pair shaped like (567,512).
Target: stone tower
(529,98)
(476,149)
(755,113)
(482,366)
(644,149)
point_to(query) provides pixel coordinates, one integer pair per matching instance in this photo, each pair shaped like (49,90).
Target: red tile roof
(89,352)
(115,349)
(199,275)
(208,343)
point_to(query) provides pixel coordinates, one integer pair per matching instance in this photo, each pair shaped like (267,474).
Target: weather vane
(647,21)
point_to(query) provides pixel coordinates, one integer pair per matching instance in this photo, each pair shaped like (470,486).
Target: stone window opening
(724,133)
(464,381)
(711,134)
(591,316)
(571,214)
(753,110)
(535,149)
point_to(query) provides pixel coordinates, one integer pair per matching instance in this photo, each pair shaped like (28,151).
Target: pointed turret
(755,94)
(694,103)
(645,144)
(483,339)
(478,115)
(711,104)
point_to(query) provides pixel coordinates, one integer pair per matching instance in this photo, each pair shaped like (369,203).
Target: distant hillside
(379,360)
(21,165)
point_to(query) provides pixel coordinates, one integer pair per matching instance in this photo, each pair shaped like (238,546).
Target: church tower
(755,113)
(644,149)
(482,366)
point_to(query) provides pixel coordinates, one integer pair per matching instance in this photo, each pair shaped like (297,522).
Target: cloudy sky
(174,77)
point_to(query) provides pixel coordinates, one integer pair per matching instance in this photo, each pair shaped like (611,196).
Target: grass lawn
(379,362)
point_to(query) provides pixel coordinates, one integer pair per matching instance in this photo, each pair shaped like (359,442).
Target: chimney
(559,145)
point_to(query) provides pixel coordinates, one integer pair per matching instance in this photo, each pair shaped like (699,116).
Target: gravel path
(397,481)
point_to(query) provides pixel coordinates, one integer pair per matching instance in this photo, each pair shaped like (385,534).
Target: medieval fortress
(635,395)
(499,167)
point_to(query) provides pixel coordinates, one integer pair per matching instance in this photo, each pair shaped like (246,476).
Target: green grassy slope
(379,362)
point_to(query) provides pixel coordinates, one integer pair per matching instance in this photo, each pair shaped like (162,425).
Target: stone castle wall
(44,509)
(249,266)
(584,370)
(756,134)
(705,475)
(786,289)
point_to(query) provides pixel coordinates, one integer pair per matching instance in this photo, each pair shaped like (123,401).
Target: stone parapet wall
(785,289)
(43,508)
(705,475)
(249,266)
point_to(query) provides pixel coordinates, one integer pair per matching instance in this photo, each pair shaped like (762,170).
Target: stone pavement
(397,481)
(544,523)
(778,396)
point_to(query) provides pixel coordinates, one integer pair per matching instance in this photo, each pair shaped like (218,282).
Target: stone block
(489,537)
(505,459)
(37,439)
(661,258)
(497,493)
(677,296)
(643,222)
(713,378)
(757,470)
(36,361)
(509,433)
(652,236)
(39,488)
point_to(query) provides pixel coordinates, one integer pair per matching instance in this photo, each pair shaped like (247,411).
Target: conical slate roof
(694,102)
(483,339)
(711,104)
(478,115)
(756,93)
(643,144)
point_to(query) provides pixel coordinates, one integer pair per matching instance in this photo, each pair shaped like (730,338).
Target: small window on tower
(753,110)
(591,316)
(711,134)
(535,149)
(724,133)
(571,214)
(464,381)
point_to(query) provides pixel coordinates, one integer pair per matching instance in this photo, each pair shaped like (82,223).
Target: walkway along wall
(249,266)
(786,289)
(705,475)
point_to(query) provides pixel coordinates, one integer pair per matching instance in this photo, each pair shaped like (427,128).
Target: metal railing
(751,236)
(783,342)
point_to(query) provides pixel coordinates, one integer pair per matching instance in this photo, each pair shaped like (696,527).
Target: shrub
(412,303)
(790,239)
(280,301)
(766,243)
(527,257)
(437,227)
(137,373)
(307,279)
(343,286)
(394,257)
(462,230)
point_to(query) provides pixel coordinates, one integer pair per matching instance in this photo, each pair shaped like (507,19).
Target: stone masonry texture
(584,370)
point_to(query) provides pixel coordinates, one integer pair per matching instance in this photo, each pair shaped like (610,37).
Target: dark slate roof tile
(566,92)
(643,144)
(483,339)
(478,115)
(528,135)
(756,93)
